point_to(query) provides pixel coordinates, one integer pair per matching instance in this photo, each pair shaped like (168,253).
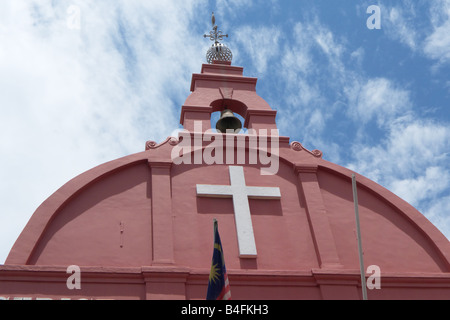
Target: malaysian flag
(218,285)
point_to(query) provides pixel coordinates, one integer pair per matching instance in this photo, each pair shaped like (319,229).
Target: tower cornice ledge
(207,79)
(223,69)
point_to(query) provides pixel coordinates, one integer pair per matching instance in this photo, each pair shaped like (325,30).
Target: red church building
(141,227)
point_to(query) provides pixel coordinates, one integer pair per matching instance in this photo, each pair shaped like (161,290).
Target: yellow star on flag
(215,273)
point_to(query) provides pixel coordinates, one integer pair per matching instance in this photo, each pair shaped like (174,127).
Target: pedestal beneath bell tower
(221,86)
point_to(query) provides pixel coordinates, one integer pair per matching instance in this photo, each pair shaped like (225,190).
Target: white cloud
(316,36)
(432,181)
(316,122)
(410,148)
(308,40)
(437,44)
(295,60)
(412,163)
(232,6)
(399,24)
(377,98)
(324,38)
(358,55)
(437,213)
(306,81)
(261,44)
(72,99)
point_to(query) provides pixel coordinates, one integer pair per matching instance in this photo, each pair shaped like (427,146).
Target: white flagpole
(358,232)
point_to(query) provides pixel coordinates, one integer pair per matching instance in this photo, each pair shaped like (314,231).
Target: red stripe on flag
(225,294)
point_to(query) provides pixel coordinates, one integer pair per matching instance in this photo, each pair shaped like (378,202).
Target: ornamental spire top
(217,51)
(215,35)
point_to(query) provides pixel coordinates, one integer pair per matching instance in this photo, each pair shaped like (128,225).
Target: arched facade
(138,230)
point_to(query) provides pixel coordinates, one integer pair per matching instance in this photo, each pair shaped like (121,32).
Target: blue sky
(73,96)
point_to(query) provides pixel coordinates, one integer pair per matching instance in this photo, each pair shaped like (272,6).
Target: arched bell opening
(231,104)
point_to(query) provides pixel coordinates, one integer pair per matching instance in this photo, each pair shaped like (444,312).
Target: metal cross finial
(215,35)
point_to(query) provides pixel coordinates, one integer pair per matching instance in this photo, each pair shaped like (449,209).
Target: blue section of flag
(218,286)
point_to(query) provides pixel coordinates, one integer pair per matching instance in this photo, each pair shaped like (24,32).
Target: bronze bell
(228,121)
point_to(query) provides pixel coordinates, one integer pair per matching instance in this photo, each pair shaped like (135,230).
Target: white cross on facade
(240,194)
